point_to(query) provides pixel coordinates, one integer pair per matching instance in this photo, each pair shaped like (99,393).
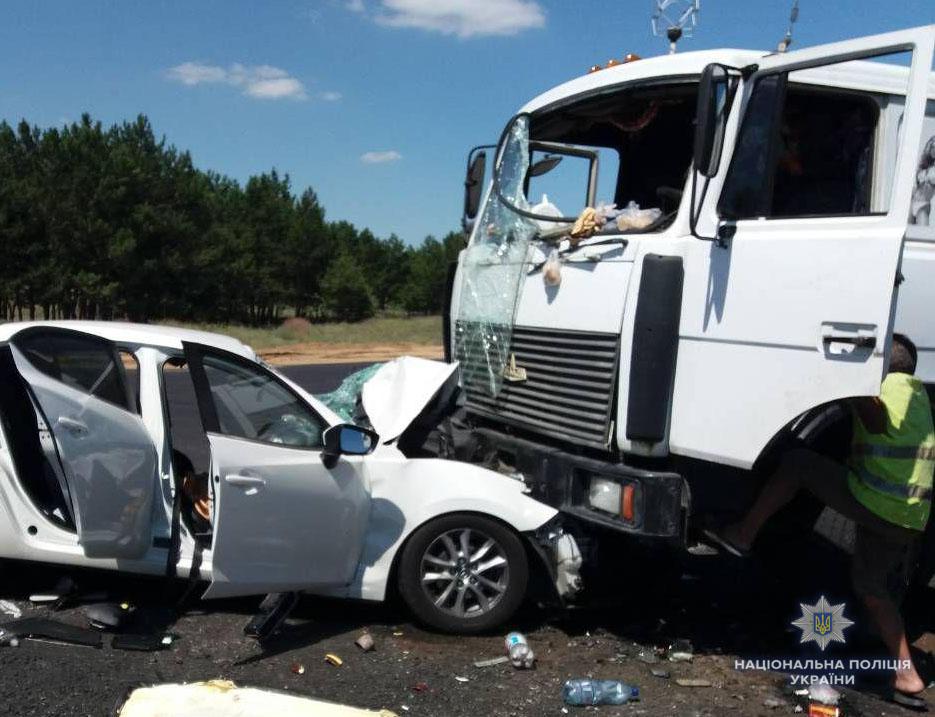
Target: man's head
(903,356)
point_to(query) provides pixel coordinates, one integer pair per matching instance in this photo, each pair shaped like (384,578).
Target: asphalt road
(639,605)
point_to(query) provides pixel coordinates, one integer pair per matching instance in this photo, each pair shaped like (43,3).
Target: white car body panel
(406,493)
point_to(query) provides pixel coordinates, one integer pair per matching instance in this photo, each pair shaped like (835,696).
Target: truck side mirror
(714,98)
(473,184)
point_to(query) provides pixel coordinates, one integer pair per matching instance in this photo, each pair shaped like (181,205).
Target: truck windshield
(627,149)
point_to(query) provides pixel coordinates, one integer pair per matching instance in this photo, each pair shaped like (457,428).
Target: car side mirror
(711,118)
(347,439)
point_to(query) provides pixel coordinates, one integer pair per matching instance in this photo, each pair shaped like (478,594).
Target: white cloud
(257,81)
(383,157)
(330,96)
(463,18)
(356,6)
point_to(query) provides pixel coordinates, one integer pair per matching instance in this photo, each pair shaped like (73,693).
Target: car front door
(106,456)
(792,306)
(282,520)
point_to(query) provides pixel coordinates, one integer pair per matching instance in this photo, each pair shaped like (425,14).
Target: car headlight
(612,497)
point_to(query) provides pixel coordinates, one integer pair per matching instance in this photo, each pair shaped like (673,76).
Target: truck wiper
(572,249)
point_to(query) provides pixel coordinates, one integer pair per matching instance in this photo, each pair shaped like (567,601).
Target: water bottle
(598,692)
(521,655)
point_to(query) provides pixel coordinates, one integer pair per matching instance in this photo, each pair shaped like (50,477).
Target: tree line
(112,223)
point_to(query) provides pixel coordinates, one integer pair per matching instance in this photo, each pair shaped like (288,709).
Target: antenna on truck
(793,17)
(675,19)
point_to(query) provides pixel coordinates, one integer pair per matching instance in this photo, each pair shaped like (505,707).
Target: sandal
(909,700)
(726,544)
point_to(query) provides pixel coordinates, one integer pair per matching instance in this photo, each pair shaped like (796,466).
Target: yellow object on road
(222,698)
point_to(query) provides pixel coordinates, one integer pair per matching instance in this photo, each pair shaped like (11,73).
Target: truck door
(792,305)
(106,455)
(282,520)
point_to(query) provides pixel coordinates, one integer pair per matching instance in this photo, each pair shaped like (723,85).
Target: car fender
(407,493)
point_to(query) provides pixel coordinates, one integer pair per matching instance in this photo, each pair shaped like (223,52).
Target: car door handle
(73,426)
(245,481)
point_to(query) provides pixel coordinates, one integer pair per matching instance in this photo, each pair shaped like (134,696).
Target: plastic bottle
(598,692)
(521,655)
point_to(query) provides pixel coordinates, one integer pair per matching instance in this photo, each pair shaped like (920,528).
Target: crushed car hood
(401,390)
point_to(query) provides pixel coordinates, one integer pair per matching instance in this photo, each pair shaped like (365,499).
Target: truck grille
(569,388)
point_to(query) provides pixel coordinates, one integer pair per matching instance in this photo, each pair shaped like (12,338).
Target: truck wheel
(463,573)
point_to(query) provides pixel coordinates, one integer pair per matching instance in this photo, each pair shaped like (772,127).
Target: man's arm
(871,412)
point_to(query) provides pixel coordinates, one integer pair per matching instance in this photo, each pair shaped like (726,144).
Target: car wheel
(463,573)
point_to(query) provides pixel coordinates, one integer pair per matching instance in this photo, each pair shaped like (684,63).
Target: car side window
(83,363)
(252,404)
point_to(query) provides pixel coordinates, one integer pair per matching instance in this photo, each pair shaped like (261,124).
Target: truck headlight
(613,497)
(605,495)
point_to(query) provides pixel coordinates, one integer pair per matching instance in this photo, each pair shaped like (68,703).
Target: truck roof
(865,75)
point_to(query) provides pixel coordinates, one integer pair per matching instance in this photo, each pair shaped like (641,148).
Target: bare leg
(778,491)
(889,624)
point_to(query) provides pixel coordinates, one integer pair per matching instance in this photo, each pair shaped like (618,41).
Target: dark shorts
(883,552)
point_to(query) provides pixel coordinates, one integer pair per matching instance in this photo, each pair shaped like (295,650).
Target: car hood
(401,390)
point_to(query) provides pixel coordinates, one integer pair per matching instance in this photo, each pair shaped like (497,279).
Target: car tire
(458,591)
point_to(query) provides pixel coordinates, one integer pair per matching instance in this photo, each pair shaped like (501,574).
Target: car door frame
(734,391)
(348,469)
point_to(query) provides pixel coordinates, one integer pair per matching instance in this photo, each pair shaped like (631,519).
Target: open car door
(282,520)
(106,458)
(792,306)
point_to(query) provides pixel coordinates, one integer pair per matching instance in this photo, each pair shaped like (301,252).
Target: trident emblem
(823,622)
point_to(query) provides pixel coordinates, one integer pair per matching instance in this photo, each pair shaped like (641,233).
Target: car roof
(129,334)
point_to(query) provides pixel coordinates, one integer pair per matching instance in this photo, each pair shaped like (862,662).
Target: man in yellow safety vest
(886,489)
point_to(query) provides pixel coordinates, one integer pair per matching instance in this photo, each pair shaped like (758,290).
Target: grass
(425,330)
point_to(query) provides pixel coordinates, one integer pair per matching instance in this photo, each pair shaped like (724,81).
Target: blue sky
(373,103)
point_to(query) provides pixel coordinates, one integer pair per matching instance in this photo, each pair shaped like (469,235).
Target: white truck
(641,375)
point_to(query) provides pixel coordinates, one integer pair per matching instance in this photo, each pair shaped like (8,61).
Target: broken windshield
(624,152)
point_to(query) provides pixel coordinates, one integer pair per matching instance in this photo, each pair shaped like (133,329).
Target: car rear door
(107,456)
(792,307)
(282,520)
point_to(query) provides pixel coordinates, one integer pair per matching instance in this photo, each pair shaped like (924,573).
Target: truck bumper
(660,500)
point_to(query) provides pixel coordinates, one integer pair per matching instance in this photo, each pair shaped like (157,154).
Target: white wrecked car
(158,450)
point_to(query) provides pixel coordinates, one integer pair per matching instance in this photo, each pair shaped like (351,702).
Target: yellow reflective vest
(891,472)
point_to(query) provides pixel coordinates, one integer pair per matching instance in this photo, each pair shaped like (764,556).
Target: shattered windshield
(493,270)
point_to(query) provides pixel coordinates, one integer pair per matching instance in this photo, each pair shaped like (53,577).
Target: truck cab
(678,262)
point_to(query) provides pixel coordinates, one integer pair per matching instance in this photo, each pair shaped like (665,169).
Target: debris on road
(462,679)
(772,703)
(692,682)
(664,674)
(298,668)
(521,654)
(142,643)
(107,616)
(365,642)
(11,609)
(681,651)
(333,659)
(225,699)
(648,656)
(824,694)
(492,661)
(598,692)
(420,687)
(44,628)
